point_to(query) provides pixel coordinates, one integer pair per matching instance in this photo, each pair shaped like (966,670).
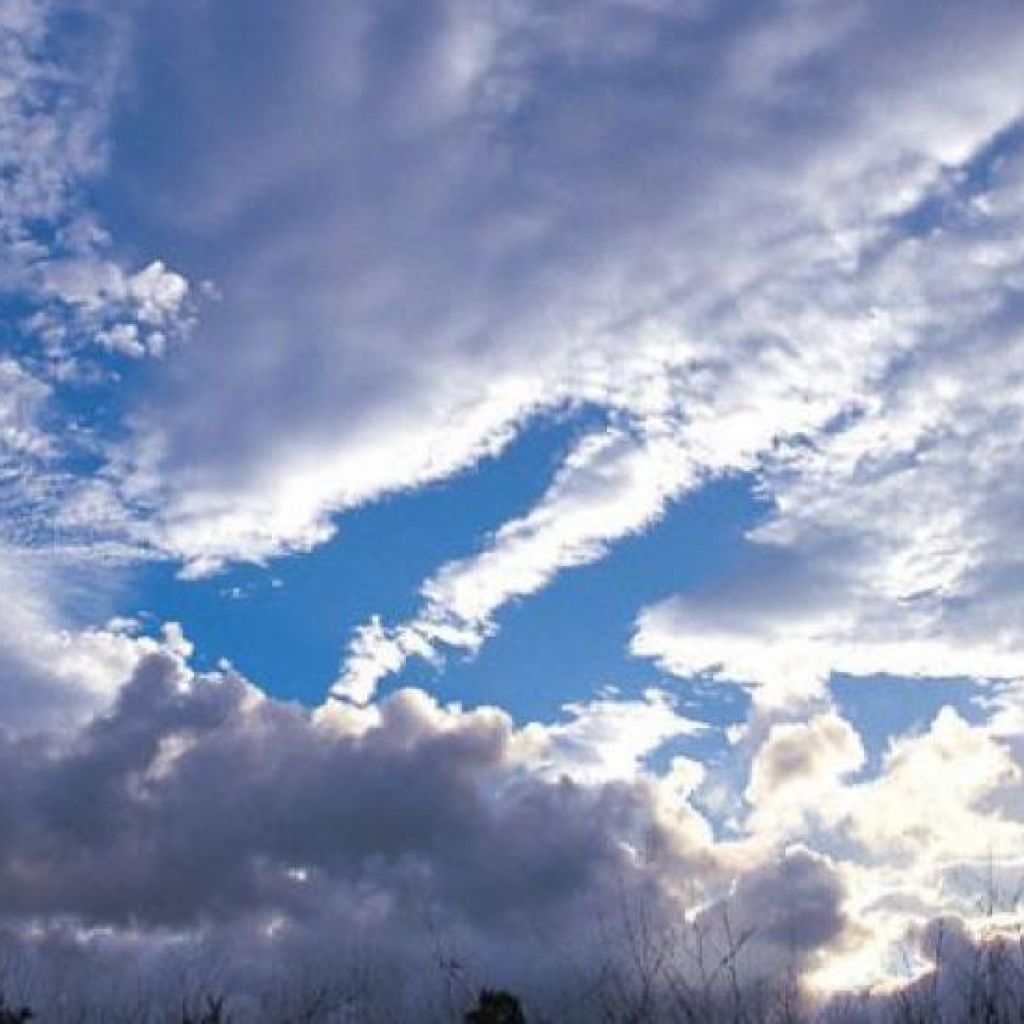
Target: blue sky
(286,623)
(625,397)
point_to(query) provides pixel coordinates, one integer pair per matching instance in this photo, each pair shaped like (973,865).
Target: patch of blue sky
(85,405)
(286,625)
(570,643)
(881,707)
(573,638)
(945,206)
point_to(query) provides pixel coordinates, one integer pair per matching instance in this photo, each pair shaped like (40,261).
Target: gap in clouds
(944,207)
(883,707)
(285,624)
(574,634)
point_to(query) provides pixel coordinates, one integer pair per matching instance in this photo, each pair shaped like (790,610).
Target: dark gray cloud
(794,905)
(134,829)
(198,807)
(199,822)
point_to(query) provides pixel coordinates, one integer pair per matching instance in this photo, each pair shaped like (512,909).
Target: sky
(464,463)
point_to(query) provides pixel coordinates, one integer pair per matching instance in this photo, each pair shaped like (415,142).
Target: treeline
(991,994)
(654,978)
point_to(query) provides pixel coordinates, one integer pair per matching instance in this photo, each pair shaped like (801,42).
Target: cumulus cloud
(800,767)
(198,807)
(54,672)
(197,819)
(609,738)
(794,905)
(930,831)
(194,816)
(899,811)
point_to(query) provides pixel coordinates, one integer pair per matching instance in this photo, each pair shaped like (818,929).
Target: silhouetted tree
(212,1013)
(496,1007)
(14,1015)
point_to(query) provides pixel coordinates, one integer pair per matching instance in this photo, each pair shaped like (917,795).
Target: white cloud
(798,769)
(158,293)
(607,738)
(54,108)
(124,339)
(734,312)
(920,836)
(56,672)
(22,398)
(926,806)
(728,300)
(62,291)
(891,542)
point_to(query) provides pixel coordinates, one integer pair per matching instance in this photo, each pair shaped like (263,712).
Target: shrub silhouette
(212,1013)
(12,1015)
(496,1007)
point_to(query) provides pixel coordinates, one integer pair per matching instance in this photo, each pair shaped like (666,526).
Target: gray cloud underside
(202,835)
(199,815)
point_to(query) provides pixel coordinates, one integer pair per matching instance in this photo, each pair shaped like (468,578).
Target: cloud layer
(260,269)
